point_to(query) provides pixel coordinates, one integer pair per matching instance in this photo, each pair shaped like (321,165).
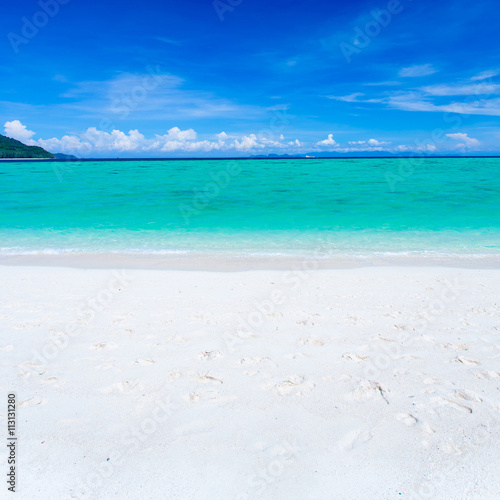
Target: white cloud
(175,133)
(371,143)
(346,98)
(417,70)
(328,142)
(16,130)
(410,101)
(374,142)
(96,140)
(426,148)
(470,89)
(485,74)
(247,143)
(468,142)
(153,95)
(178,142)
(175,141)
(478,98)
(66,144)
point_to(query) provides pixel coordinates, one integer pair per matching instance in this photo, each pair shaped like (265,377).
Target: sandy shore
(195,261)
(360,383)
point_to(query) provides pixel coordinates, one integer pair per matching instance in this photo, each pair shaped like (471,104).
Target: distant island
(10,148)
(62,156)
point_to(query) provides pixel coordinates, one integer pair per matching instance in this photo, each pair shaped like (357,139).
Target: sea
(360,207)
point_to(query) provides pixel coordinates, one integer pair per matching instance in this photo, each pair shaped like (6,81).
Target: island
(10,148)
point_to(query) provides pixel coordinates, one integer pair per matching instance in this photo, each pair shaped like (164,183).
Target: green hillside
(10,148)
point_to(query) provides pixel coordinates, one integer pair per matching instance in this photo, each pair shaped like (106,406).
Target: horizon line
(201,158)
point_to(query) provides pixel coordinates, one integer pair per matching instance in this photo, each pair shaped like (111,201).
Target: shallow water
(337,206)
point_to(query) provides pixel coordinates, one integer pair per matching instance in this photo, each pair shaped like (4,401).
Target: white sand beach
(374,382)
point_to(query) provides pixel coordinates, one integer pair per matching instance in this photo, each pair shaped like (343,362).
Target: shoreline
(229,262)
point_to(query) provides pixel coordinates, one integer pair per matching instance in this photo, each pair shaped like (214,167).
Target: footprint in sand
(121,387)
(485,374)
(122,318)
(354,357)
(192,397)
(354,439)
(104,346)
(451,403)
(452,449)
(105,366)
(468,396)
(295,355)
(366,390)
(255,361)
(195,396)
(407,419)
(206,379)
(461,347)
(205,319)
(427,338)
(209,355)
(465,361)
(50,380)
(429,390)
(312,341)
(428,429)
(293,385)
(401,327)
(305,322)
(352,320)
(383,339)
(34,401)
(175,339)
(432,380)
(28,369)
(144,362)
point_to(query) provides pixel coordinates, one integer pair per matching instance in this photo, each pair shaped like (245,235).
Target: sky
(205,78)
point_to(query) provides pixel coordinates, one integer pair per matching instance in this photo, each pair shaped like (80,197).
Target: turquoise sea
(346,207)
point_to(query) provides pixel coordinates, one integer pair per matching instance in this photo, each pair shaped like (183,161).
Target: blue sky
(244,77)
